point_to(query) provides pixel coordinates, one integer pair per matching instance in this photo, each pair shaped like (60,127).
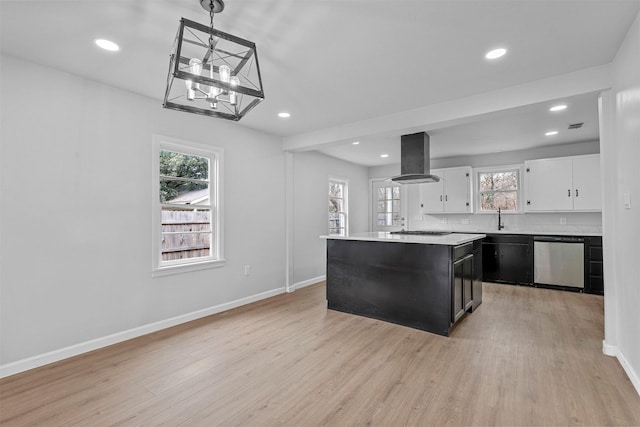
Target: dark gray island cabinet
(423,282)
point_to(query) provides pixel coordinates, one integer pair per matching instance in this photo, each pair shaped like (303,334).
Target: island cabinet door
(458,289)
(467,288)
(462,286)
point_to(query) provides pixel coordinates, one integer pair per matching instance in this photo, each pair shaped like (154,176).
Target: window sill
(186,268)
(496,212)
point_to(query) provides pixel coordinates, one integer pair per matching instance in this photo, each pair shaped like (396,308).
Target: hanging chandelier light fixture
(219,72)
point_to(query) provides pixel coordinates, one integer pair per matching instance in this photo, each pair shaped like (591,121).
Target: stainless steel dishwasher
(558,260)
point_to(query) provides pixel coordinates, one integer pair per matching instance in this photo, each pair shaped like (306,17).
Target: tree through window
(337,207)
(499,189)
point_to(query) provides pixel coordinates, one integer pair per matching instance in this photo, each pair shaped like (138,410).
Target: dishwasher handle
(563,239)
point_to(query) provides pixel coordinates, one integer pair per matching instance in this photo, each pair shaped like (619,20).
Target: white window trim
(373,213)
(345,197)
(160,142)
(506,168)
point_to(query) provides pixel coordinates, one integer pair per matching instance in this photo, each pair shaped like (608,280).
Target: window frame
(216,161)
(392,199)
(519,168)
(345,203)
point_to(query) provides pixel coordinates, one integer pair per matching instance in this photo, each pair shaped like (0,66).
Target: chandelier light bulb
(213,90)
(225,73)
(233,97)
(195,67)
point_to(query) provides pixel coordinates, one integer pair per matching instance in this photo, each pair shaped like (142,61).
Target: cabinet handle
(446,198)
(441,197)
(528,202)
(576,192)
(569,193)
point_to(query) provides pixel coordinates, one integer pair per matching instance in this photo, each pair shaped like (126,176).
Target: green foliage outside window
(193,172)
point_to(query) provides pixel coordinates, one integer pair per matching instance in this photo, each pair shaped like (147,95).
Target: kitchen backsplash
(569,222)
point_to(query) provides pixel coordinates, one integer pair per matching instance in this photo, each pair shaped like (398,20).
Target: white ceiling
(515,129)
(335,62)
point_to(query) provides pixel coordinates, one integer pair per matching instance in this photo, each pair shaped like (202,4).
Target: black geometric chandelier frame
(211,72)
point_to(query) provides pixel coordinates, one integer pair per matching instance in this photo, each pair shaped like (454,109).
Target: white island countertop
(453,239)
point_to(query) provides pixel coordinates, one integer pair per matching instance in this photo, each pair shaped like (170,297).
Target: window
(388,207)
(187,221)
(499,188)
(338,225)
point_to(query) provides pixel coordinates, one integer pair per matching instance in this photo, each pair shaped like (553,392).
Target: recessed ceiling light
(356,142)
(551,133)
(384,156)
(496,53)
(107,45)
(558,107)
(284,115)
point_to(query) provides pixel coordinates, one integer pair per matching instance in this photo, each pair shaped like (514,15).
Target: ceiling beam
(450,113)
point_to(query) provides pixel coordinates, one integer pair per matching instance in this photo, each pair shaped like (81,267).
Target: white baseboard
(612,350)
(84,347)
(608,349)
(308,282)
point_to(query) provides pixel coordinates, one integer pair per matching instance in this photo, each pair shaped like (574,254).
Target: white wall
(76,205)
(578,222)
(519,156)
(311,172)
(620,158)
(496,159)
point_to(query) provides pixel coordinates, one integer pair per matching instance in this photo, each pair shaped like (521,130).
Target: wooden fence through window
(188,241)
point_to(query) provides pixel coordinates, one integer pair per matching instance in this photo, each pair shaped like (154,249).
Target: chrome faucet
(500,224)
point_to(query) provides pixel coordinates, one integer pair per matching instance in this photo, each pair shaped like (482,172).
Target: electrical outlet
(247,270)
(563,221)
(465,221)
(626,196)
(445,220)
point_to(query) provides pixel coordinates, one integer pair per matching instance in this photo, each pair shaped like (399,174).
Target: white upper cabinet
(432,194)
(587,184)
(548,185)
(451,195)
(563,184)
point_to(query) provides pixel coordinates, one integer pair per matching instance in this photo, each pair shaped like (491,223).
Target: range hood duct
(414,160)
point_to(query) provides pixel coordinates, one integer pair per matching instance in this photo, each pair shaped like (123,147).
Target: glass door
(388,206)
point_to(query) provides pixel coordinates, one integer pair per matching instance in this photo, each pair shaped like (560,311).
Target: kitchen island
(424,282)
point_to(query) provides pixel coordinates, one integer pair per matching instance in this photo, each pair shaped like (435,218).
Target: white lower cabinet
(451,195)
(563,184)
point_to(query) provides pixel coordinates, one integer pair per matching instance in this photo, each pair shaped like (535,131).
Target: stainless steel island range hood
(414,160)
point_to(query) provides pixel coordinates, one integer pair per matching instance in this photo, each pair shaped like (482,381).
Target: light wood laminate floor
(525,357)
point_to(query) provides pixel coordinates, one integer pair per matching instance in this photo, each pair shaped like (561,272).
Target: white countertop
(537,232)
(453,239)
(544,233)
